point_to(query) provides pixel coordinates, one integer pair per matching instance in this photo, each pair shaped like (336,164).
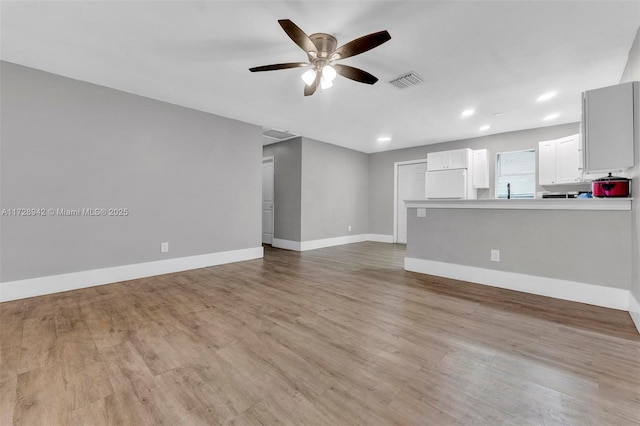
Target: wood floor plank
(12,321)
(304,373)
(262,414)
(137,396)
(194,401)
(337,336)
(40,396)
(291,406)
(8,395)
(94,413)
(157,353)
(39,342)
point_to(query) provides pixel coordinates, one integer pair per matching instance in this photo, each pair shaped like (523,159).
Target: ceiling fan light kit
(329,72)
(309,77)
(322,54)
(325,83)
(327,75)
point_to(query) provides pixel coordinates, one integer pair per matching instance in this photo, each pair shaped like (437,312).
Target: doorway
(409,185)
(267,199)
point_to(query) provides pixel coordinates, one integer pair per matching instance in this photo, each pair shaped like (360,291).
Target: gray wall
(632,73)
(320,189)
(585,246)
(287,199)
(632,68)
(381,167)
(334,191)
(187,177)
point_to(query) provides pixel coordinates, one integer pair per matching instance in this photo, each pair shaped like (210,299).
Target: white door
(267,200)
(410,187)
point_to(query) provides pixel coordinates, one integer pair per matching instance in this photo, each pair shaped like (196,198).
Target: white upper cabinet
(547,162)
(459,158)
(480,168)
(437,161)
(445,160)
(608,127)
(568,160)
(559,161)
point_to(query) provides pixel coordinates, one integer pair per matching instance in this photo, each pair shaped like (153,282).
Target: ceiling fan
(322,53)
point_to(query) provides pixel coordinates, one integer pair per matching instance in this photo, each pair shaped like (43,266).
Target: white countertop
(527,204)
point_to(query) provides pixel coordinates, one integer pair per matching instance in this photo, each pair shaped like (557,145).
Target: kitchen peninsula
(573,249)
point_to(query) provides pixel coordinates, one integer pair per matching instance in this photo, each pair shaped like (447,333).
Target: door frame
(270,159)
(395,192)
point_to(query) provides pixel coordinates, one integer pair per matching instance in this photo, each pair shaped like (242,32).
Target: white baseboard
(634,309)
(329,242)
(21,289)
(286,244)
(380,238)
(608,297)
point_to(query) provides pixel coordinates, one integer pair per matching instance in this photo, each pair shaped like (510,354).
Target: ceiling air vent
(277,134)
(406,80)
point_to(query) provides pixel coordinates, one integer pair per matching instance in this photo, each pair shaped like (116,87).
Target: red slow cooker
(611,186)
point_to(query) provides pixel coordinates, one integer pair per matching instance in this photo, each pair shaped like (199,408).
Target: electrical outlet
(164,247)
(422,212)
(495,255)
(349,228)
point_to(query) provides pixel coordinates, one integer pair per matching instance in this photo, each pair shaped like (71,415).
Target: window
(518,170)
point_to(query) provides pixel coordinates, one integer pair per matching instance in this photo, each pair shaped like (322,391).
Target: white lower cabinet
(559,161)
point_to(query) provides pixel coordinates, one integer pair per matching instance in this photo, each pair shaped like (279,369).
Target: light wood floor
(333,336)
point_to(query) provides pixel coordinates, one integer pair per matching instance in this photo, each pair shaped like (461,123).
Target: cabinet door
(437,161)
(608,126)
(481,168)
(568,160)
(547,163)
(459,159)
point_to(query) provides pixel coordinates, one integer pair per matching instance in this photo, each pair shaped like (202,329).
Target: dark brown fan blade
(274,67)
(355,74)
(298,36)
(310,90)
(361,45)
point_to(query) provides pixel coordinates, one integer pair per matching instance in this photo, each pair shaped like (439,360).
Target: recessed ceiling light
(384,139)
(468,112)
(551,117)
(545,97)
(485,127)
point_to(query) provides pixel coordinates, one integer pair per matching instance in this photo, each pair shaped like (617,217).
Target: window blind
(517,168)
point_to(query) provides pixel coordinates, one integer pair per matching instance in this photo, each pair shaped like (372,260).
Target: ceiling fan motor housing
(326,44)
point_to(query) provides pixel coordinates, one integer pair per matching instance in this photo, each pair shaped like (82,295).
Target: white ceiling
(493,56)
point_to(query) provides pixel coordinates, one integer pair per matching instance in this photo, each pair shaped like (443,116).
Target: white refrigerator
(450,175)
(447,184)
